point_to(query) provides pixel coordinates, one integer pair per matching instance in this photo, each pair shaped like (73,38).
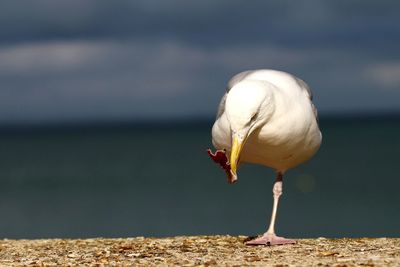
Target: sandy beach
(199,251)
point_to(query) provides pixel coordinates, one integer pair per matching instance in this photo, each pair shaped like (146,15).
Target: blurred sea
(157,180)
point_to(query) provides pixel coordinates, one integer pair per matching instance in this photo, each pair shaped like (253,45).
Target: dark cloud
(76,60)
(210,22)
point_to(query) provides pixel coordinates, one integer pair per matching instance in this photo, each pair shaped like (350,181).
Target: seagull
(266,117)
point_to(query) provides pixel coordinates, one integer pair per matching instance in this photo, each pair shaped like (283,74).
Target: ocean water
(157,180)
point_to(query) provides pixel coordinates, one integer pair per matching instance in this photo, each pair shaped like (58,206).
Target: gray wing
(305,86)
(221,107)
(238,78)
(310,95)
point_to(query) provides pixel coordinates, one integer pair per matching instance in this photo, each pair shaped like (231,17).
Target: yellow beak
(237,145)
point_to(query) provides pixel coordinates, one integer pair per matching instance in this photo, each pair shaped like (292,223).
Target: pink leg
(270,238)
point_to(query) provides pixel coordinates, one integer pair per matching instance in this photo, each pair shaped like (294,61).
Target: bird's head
(248,106)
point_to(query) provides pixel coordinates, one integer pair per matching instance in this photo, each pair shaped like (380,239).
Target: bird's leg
(270,238)
(277,192)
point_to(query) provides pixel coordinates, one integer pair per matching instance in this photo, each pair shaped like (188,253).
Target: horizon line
(168,122)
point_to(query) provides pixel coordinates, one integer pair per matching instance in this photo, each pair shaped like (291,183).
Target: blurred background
(106,109)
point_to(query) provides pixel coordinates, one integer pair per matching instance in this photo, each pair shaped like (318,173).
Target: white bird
(266,117)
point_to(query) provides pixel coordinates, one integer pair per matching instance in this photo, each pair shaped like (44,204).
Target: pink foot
(270,240)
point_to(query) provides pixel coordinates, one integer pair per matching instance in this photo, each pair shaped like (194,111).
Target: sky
(98,60)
